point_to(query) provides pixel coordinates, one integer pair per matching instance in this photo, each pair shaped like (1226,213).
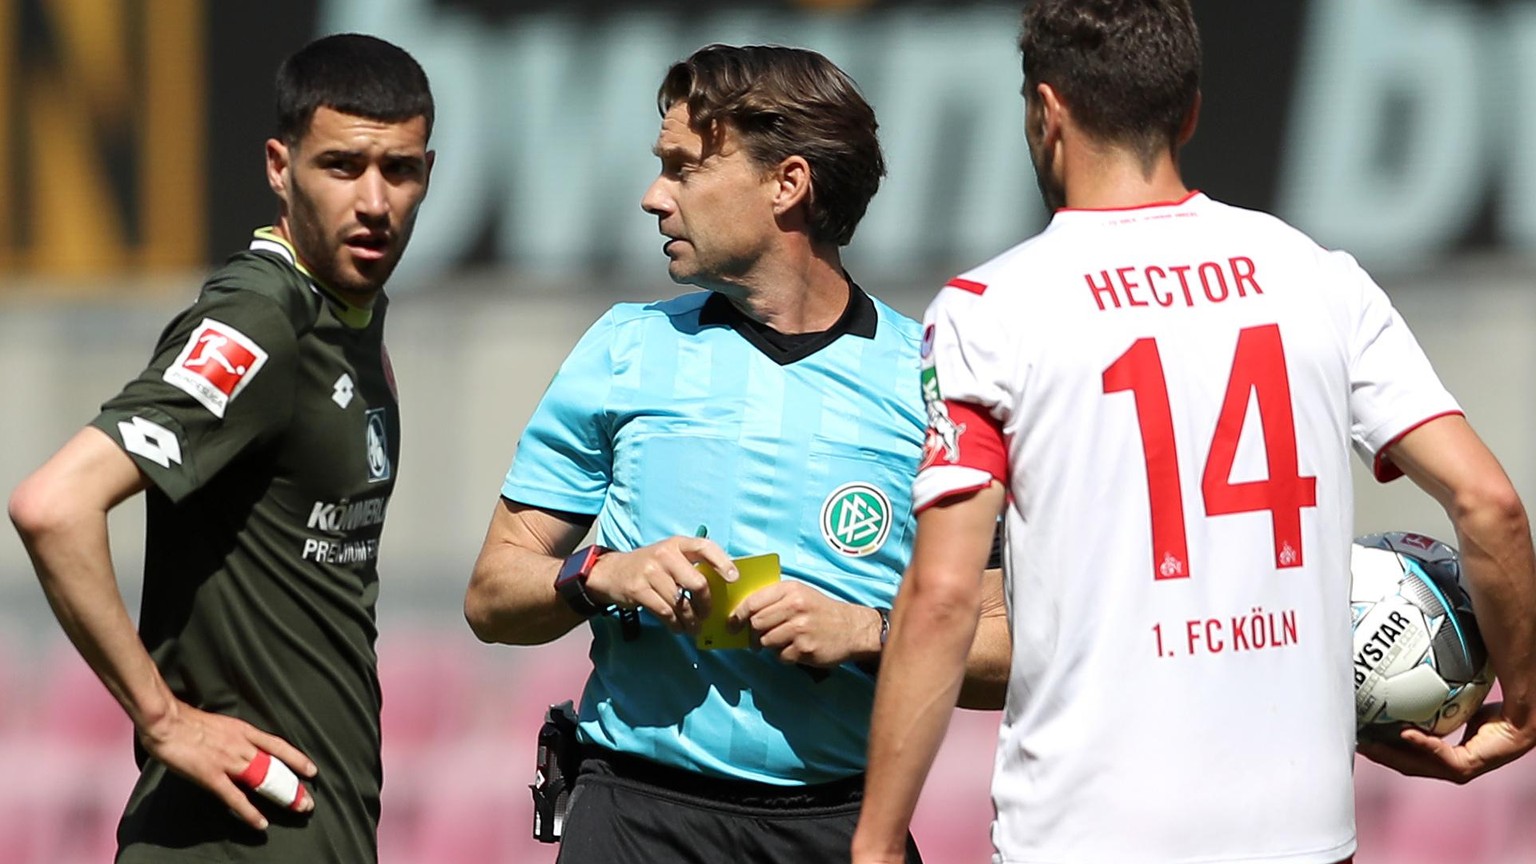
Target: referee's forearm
(991,654)
(511,599)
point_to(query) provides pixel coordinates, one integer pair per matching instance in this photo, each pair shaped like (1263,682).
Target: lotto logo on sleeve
(216,364)
(150,440)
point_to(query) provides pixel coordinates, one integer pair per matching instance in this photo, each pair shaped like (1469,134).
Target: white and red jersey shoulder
(964,449)
(1168,395)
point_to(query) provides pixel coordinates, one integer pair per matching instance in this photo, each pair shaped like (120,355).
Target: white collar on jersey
(1195,198)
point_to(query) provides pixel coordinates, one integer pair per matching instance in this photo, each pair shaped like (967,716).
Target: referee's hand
(214,751)
(802,624)
(661,579)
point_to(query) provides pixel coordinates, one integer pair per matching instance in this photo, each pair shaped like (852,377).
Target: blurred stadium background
(130,160)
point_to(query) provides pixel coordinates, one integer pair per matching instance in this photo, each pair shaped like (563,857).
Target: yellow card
(757,571)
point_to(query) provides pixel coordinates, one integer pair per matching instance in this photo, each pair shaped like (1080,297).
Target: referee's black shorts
(628,810)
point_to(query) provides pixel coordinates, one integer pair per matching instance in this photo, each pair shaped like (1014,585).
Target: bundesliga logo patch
(216,364)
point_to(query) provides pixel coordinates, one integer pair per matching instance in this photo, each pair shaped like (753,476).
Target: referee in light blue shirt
(781,409)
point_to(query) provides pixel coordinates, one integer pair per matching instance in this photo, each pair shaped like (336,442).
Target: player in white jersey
(1159,392)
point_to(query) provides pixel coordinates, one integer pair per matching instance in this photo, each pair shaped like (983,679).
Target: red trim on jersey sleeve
(967,285)
(961,435)
(1383,467)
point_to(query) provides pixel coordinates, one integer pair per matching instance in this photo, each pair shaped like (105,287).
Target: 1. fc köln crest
(217,362)
(943,438)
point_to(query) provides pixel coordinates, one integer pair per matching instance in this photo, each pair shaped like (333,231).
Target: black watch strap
(872,667)
(571,581)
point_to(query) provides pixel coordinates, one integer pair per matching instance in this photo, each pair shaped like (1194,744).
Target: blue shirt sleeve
(564,460)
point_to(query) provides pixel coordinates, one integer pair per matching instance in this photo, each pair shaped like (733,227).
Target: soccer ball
(1419,658)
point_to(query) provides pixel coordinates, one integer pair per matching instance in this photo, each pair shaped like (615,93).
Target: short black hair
(786,102)
(352,73)
(1128,69)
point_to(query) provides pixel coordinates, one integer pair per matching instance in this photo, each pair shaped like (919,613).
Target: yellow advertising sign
(101,135)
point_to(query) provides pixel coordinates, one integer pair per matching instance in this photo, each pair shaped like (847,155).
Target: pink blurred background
(460,720)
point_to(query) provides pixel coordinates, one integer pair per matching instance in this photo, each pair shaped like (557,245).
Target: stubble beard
(322,253)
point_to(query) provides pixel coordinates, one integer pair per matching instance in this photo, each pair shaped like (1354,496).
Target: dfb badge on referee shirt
(856,519)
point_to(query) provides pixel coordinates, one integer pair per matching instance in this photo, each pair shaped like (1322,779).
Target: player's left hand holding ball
(217,752)
(1490,740)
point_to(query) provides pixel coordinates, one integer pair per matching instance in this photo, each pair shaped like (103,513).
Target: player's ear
(791,184)
(1191,120)
(278,158)
(1052,113)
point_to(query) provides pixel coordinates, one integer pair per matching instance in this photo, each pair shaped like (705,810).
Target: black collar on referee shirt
(858,319)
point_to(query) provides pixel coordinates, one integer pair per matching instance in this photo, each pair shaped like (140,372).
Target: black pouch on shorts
(555,772)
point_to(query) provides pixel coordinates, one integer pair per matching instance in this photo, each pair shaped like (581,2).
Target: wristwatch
(871,667)
(571,582)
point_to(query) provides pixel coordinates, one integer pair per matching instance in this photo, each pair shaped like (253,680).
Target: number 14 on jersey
(1258,368)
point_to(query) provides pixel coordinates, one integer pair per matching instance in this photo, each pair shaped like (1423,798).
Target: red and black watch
(571,582)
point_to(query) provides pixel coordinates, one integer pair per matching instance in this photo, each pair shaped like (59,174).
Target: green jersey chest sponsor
(856,519)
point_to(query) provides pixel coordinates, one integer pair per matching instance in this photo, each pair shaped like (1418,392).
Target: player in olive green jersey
(265,434)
